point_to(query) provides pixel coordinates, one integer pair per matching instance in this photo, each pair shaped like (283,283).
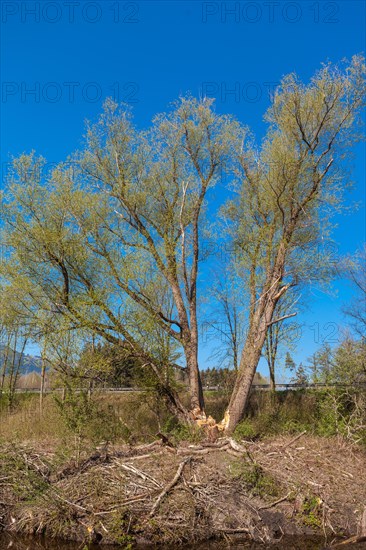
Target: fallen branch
(202,450)
(240,449)
(170,485)
(142,457)
(238,530)
(275,503)
(236,446)
(139,473)
(352,540)
(293,440)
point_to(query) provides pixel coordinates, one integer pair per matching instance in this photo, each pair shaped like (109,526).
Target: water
(17,542)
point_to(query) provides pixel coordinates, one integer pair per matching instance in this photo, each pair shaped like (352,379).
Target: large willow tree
(110,243)
(287,190)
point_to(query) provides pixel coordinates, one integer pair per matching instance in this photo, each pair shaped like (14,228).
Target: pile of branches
(149,493)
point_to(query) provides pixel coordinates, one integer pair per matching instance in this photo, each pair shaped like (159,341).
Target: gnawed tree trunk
(262,318)
(248,365)
(195,384)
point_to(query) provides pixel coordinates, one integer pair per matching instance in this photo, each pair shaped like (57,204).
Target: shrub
(84,416)
(254,479)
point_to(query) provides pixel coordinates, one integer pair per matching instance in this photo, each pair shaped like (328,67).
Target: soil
(261,491)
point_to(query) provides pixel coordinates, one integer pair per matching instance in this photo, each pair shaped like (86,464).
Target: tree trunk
(175,405)
(5,364)
(195,383)
(171,397)
(248,364)
(272,380)
(43,375)
(240,395)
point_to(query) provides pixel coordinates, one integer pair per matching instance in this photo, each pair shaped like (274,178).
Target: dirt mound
(159,493)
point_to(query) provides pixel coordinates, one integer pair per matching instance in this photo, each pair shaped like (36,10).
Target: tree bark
(239,398)
(272,381)
(250,358)
(195,383)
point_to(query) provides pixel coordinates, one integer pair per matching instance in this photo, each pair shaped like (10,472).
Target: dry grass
(137,417)
(26,423)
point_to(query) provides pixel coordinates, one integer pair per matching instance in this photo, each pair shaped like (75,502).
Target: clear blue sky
(60,60)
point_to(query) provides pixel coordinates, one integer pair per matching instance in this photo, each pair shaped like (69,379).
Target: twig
(238,530)
(293,440)
(275,503)
(140,473)
(140,457)
(202,450)
(138,498)
(170,485)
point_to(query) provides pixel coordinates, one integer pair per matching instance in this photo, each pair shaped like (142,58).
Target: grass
(138,417)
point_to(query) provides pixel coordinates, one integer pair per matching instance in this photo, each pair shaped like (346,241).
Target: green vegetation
(327,412)
(254,479)
(311,511)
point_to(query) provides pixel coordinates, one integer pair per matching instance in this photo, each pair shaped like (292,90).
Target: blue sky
(60,60)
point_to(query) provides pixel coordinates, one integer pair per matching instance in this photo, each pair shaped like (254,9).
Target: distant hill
(28,363)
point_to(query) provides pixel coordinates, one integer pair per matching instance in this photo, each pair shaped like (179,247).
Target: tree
(289,362)
(14,338)
(286,191)
(109,245)
(321,365)
(349,362)
(278,335)
(93,242)
(226,320)
(301,377)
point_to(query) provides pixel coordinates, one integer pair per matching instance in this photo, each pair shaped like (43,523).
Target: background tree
(344,364)
(301,376)
(290,364)
(279,334)
(225,321)
(321,365)
(14,337)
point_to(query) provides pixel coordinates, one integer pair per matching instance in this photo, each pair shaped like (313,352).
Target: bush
(326,413)
(246,430)
(84,416)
